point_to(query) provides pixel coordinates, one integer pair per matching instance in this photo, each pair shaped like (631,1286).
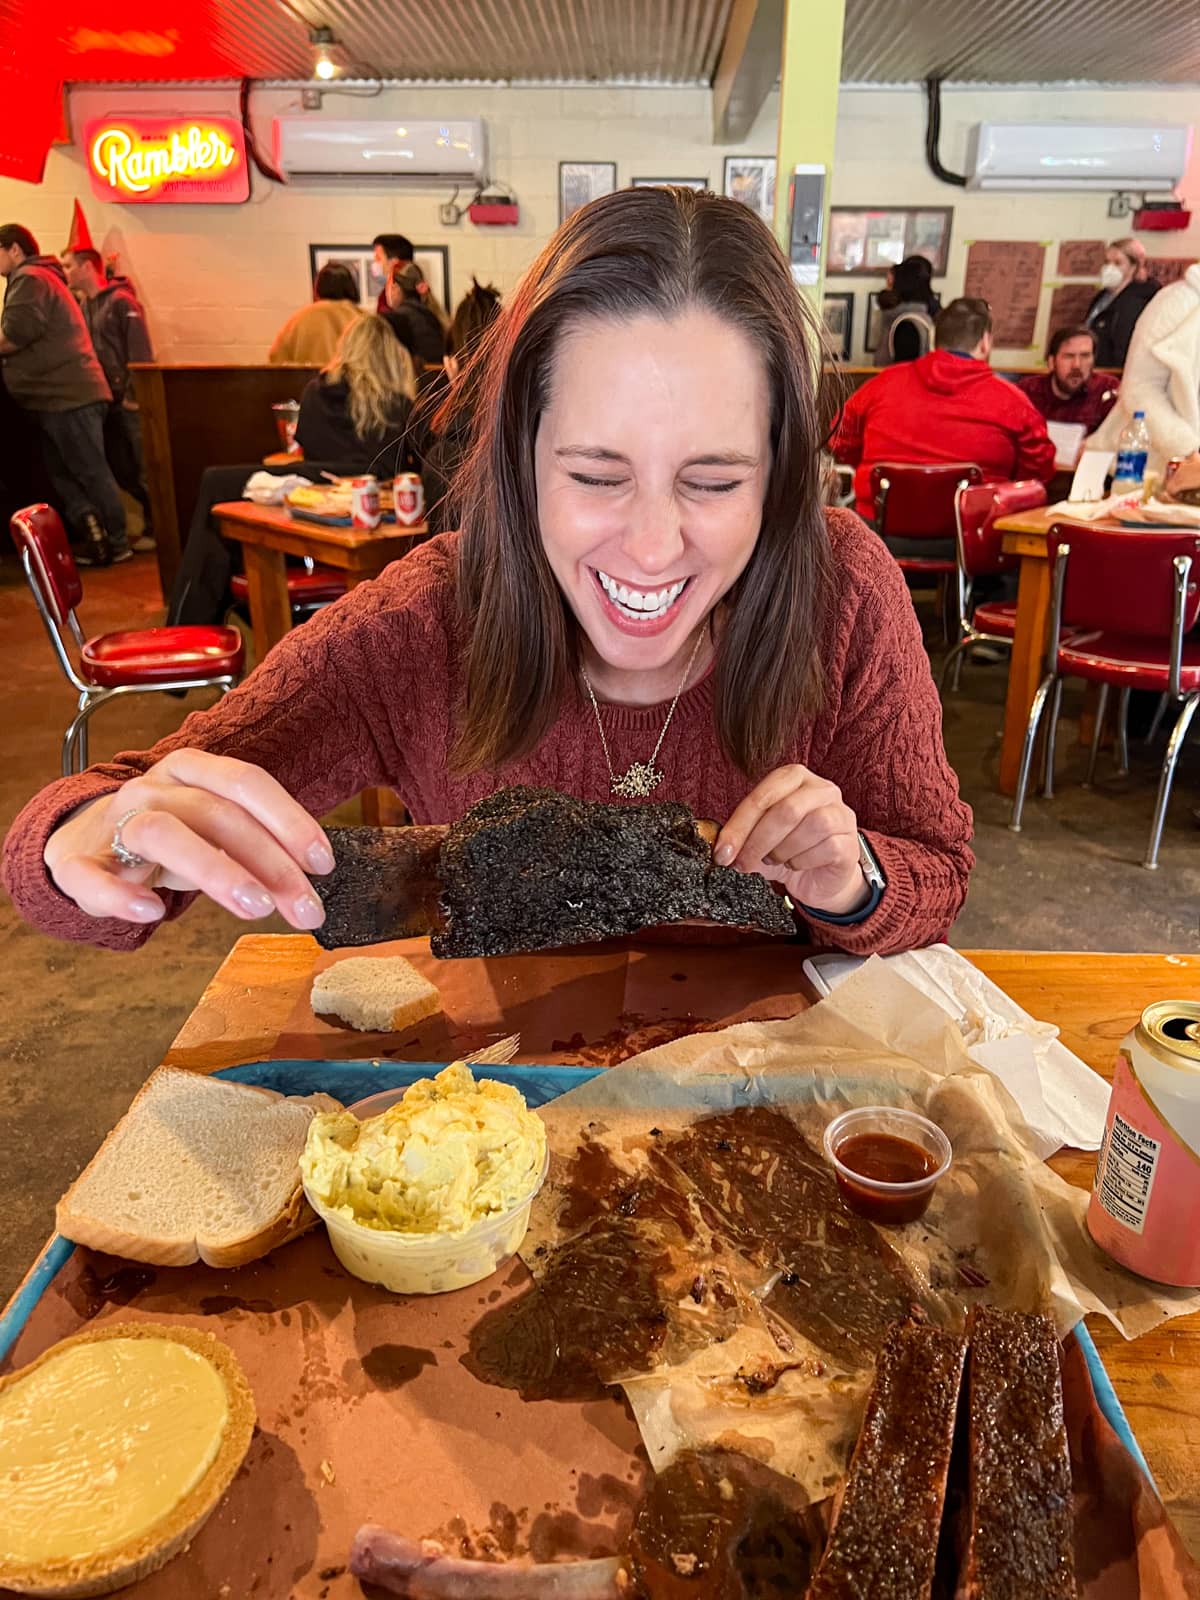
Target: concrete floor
(80,1029)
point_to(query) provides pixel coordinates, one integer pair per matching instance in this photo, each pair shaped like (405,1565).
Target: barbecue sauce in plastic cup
(887,1162)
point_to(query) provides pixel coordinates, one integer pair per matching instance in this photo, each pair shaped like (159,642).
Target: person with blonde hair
(1126,289)
(361,402)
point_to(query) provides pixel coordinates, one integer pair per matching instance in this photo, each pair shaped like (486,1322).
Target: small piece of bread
(84,1573)
(196,1170)
(377,994)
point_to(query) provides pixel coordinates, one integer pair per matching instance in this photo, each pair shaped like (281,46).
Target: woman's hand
(796,830)
(201,821)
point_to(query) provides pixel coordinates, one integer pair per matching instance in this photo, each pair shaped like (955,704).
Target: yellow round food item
(101,1442)
(449,1153)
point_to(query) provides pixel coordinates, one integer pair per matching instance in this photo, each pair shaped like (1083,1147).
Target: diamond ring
(118,848)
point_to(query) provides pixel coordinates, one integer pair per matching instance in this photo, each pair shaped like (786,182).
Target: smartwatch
(876,883)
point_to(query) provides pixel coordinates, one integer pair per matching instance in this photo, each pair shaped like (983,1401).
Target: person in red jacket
(948,406)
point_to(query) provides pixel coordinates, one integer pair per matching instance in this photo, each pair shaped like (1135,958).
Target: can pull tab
(1192,1031)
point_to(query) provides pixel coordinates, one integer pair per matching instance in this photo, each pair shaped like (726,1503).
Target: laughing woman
(646,599)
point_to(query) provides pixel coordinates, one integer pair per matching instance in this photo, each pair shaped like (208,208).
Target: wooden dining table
(1026,535)
(255,1008)
(267,534)
(1094,999)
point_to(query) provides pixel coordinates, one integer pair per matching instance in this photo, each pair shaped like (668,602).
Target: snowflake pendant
(641,780)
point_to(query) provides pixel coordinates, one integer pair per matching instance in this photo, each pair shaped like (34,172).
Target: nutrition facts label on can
(1127,1168)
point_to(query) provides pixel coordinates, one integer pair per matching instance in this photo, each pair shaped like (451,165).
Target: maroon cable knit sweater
(362,695)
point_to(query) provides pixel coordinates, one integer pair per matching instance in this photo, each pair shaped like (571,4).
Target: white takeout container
(428,1263)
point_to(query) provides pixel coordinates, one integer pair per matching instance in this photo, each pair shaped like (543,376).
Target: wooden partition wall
(196,416)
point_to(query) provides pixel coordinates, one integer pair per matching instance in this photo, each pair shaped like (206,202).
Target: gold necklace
(642,778)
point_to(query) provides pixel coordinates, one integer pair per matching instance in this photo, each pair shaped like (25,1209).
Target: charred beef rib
(886,1529)
(1019,1518)
(531,869)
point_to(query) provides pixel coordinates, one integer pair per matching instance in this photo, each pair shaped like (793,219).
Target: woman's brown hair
(641,252)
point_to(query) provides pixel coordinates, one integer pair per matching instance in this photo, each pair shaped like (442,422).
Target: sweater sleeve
(883,748)
(328,713)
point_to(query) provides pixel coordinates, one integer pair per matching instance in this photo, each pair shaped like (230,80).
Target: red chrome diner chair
(976,511)
(917,502)
(1129,600)
(136,661)
(309,588)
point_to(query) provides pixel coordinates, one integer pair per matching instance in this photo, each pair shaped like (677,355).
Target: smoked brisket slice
(1019,1520)
(837,1280)
(885,1536)
(531,869)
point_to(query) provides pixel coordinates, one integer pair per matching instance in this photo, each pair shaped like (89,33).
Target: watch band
(876,881)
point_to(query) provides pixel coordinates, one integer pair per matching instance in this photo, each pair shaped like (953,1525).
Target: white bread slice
(196,1170)
(92,1575)
(378,994)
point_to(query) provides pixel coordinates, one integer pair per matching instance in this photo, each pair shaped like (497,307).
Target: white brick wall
(218,281)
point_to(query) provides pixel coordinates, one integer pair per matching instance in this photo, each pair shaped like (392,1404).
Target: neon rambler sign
(168,160)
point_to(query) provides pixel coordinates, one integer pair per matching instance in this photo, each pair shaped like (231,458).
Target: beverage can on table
(409,497)
(1145,1201)
(364,502)
(287,415)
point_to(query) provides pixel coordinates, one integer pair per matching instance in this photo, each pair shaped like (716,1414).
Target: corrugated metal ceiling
(1022,41)
(602,41)
(674,41)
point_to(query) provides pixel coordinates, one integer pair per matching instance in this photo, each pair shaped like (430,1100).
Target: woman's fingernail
(255,902)
(319,857)
(146,910)
(723,854)
(309,911)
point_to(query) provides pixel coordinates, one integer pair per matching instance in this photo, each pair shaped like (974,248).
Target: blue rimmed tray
(327,520)
(351,1081)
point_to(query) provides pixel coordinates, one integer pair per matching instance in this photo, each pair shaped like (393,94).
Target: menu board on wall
(1069,305)
(1007,274)
(1080,258)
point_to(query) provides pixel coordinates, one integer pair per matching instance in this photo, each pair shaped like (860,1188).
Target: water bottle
(1132,449)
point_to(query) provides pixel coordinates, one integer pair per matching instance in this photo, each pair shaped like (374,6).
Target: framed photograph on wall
(751,179)
(580,182)
(433,260)
(837,311)
(668,183)
(869,241)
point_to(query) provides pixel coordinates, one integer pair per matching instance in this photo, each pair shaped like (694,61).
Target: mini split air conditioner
(1150,159)
(425,149)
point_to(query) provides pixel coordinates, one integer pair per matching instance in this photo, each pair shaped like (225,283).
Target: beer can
(409,497)
(364,503)
(1146,1195)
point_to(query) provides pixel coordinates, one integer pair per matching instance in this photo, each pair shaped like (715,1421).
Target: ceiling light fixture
(322,41)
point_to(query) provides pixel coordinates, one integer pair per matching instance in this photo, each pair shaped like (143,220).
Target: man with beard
(1070,390)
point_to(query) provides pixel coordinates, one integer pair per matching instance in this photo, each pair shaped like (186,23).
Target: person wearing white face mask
(1126,288)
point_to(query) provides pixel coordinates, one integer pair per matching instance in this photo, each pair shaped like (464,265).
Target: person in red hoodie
(947,406)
